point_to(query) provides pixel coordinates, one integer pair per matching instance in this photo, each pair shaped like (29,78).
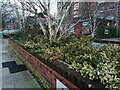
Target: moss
(43,83)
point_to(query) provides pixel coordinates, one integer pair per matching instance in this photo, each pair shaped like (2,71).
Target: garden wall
(50,75)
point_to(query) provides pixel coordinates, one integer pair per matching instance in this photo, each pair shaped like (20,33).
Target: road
(14,73)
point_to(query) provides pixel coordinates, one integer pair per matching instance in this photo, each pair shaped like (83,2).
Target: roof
(76,19)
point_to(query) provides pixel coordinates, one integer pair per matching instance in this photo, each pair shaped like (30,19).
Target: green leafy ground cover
(94,63)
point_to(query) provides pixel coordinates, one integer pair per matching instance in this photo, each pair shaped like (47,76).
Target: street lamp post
(119,19)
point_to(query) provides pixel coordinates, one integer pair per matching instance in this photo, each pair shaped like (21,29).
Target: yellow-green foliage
(94,63)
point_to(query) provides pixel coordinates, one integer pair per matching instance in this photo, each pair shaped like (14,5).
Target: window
(76,6)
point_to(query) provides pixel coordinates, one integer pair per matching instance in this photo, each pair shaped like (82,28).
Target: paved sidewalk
(12,75)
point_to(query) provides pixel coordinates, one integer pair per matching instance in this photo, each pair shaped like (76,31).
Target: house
(81,11)
(78,12)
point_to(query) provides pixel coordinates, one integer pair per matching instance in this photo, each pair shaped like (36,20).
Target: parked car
(6,32)
(0,34)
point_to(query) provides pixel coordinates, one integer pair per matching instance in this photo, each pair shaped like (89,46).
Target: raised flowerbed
(41,67)
(53,71)
(74,59)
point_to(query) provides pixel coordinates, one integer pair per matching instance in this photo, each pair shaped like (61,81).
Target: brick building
(77,11)
(84,10)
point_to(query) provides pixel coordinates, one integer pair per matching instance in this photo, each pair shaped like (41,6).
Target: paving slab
(7,81)
(0,64)
(5,71)
(8,85)
(27,84)
(17,80)
(22,76)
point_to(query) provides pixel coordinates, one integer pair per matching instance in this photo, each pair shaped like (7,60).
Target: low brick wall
(45,71)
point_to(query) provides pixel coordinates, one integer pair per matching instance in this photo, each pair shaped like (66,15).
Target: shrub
(100,32)
(94,63)
(112,31)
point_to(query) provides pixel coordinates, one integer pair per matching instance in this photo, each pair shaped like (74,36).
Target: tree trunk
(49,21)
(62,19)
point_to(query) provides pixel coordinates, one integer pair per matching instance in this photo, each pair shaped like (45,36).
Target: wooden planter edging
(105,41)
(56,72)
(45,71)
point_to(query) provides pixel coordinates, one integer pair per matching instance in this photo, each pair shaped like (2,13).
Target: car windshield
(5,30)
(14,30)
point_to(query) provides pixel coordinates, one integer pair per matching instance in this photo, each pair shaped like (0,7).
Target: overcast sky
(54,3)
(53,7)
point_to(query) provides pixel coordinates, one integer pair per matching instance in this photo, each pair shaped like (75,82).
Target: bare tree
(98,11)
(41,10)
(9,11)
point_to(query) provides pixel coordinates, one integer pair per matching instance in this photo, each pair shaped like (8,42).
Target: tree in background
(52,27)
(9,13)
(100,10)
